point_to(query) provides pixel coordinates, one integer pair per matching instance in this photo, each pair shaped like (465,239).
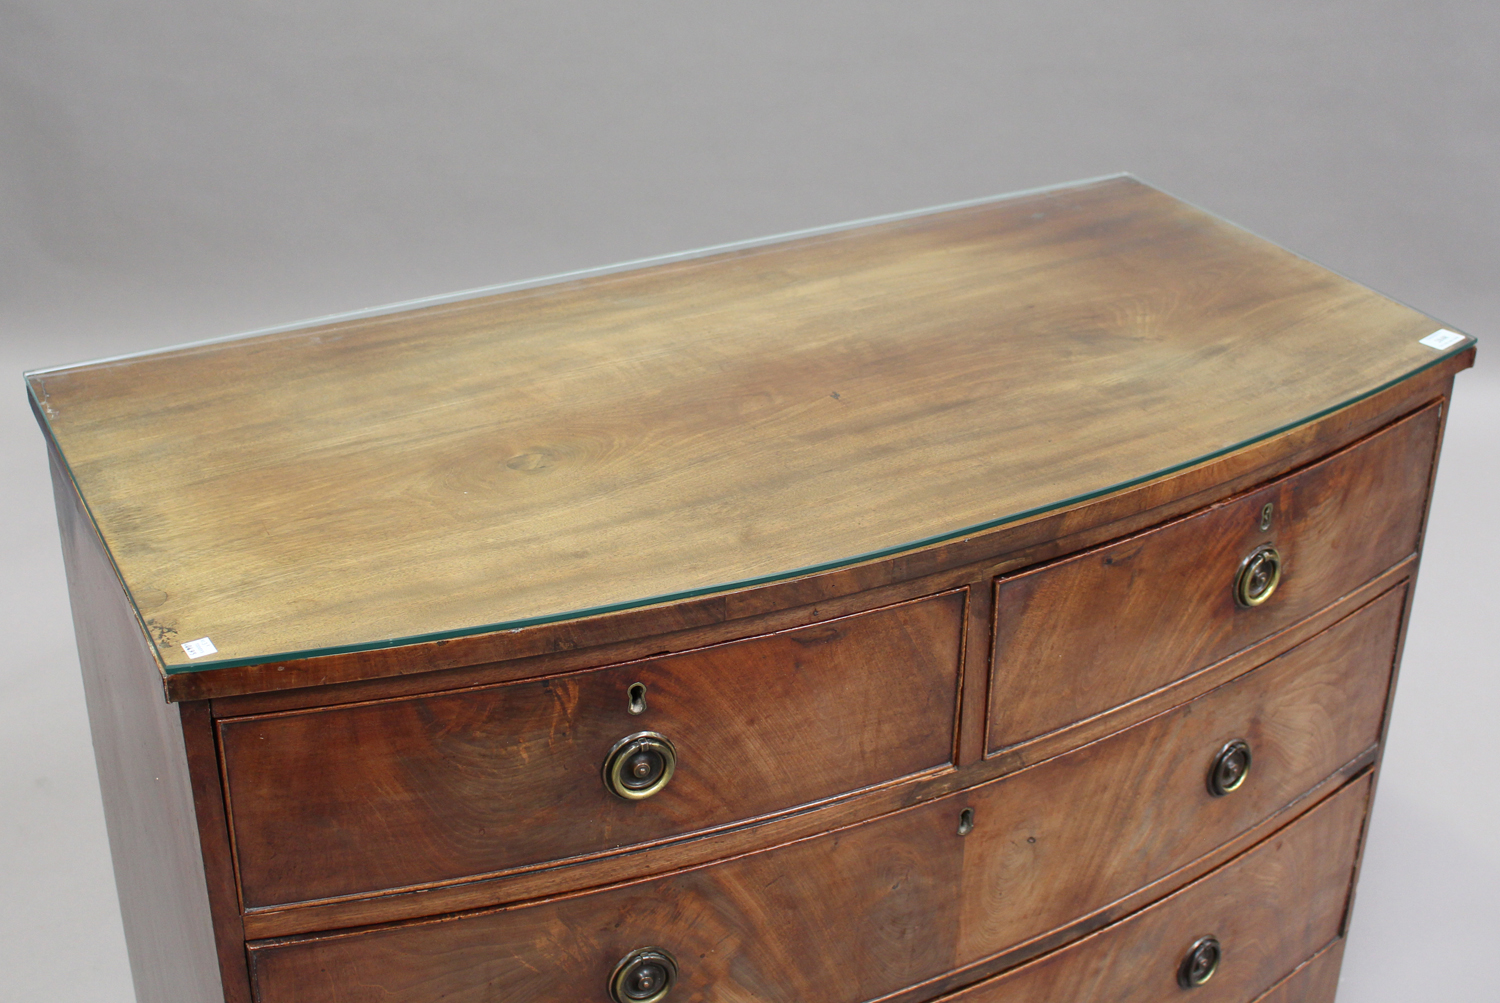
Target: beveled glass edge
(631,265)
(634,264)
(770,579)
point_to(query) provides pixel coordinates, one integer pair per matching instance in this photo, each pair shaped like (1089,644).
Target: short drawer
(395,793)
(1078,637)
(871,909)
(1266,912)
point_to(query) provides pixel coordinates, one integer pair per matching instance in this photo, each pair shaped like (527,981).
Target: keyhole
(966,821)
(1266,511)
(637,693)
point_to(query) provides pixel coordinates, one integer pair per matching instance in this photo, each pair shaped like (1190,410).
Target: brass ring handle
(643,976)
(1231,767)
(639,765)
(1258,576)
(1200,963)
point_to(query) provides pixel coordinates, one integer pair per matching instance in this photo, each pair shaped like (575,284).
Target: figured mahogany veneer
(917,540)
(483,780)
(908,898)
(1078,832)
(1094,631)
(1272,907)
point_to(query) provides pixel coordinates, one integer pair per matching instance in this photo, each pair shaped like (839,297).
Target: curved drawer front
(1091,632)
(864,911)
(850,916)
(1073,834)
(1267,911)
(401,792)
(1317,981)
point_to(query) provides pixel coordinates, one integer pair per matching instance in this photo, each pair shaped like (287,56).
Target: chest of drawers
(989,604)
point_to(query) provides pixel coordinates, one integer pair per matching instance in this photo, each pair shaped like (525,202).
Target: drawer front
(846,916)
(1269,910)
(446,786)
(1317,981)
(1073,834)
(868,910)
(1092,632)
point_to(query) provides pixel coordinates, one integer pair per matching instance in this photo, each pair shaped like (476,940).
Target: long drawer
(1230,937)
(397,793)
(1094,631)
(861,912)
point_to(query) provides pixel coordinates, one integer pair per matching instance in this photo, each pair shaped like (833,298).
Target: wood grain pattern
(1072,835)
(904,897)
(486,780)
(691,466)
(593,872)
(1316,981)
(703,423)
(149,808)
(547,648)
(1099,629)
(1272,908)
(759,927)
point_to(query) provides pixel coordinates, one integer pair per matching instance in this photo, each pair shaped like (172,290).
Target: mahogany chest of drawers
(995,603)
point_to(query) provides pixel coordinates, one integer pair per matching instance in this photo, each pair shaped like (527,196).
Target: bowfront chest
(995,603)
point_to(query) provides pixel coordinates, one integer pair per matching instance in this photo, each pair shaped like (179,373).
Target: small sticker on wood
(199,648)
(1441,339)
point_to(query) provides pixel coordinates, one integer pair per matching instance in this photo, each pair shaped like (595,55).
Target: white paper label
(1442,339)
(199,648)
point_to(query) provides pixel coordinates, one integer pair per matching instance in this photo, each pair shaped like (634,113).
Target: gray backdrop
(173,171)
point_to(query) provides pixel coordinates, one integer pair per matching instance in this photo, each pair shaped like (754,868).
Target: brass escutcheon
(1258,576)
(1201,962)
(644,975)
(639,765)
(966,821)
(1231,767)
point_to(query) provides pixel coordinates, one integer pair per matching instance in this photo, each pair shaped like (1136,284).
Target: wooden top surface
(702,424)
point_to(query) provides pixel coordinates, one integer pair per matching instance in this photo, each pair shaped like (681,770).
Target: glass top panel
(706,424)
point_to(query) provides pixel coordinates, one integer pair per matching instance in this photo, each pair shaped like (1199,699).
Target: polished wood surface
(1316,981)
(1272,909)
(917,541)
(556,647)
(759,927)
(150,808)
(1074,834)
(486,780)
(517,886)
(683,427)
(1096,630)
(904,896)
